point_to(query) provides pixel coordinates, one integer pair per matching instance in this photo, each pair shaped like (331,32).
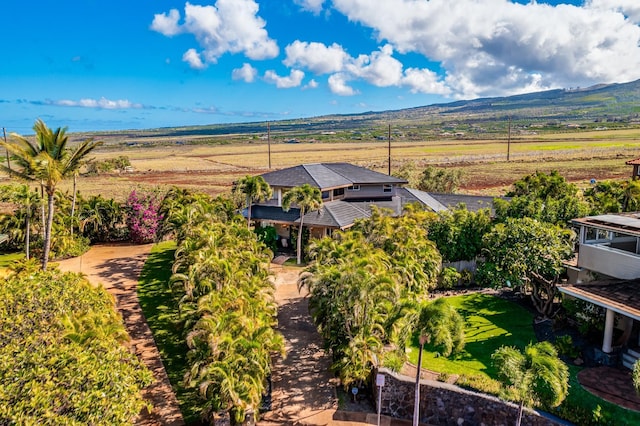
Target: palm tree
(255,189)
(441,325)
(308,199)
(535,375)
(47,160)
(29,200)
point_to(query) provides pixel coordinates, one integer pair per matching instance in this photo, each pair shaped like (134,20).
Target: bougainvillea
(143,217)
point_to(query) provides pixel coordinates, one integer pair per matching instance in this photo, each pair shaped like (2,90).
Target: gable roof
(473,203)
(327,176)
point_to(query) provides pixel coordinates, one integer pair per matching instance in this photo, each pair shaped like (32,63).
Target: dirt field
(213,168)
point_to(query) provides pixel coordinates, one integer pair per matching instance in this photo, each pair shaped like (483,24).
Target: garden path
(117,267)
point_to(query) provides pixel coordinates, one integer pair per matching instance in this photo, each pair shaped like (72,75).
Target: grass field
(212,167)
(491,322)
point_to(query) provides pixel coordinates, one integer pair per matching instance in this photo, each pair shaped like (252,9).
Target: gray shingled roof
(410,195)
(336,214)
(328,175)
(3,238)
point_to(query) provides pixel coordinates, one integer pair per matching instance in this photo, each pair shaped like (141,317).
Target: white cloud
(311,85)
(166,24)
(193,59)
(424,81)
(630,8)
(338,85)
(501,47)
(379,68)
(316,57)
(294,79)
(314,6)
(246,73)
(102,103)
(230,26)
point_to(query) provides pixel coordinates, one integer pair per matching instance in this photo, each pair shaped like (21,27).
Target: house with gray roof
(349,193)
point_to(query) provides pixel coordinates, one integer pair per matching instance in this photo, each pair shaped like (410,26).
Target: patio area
(611,384)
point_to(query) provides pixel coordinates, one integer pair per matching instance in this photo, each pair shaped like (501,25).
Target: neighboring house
(348,194)
(636,167)
(607,274)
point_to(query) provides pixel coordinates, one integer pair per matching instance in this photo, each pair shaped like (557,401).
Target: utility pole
(389,148)
(4,133)
(269,142)
(509,141)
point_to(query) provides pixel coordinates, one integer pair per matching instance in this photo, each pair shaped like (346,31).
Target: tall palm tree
(441,325)
(47,160)
(255,189)
(537,374)
(308,199)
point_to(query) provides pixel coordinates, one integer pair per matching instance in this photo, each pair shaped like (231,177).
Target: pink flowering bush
(143,217)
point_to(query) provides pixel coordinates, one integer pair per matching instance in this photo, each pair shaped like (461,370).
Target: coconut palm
(24,196)
(308,199)
(255,189)
(441,325)
(47,161)
(535,375)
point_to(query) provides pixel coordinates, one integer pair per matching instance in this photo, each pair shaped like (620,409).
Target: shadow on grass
(490,322)
(161,311)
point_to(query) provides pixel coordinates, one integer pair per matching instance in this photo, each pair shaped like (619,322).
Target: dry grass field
(212,168)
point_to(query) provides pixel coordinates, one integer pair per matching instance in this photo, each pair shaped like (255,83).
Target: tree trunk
(73,201)
(27,237)
(47,234)
(299,246)
(520,409)
(416,402)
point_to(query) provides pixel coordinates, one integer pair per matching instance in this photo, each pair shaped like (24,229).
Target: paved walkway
(118,267)
(612,384)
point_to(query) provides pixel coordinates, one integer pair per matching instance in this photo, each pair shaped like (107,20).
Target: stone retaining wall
(445,404)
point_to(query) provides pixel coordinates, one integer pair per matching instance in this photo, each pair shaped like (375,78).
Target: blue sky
(100,65)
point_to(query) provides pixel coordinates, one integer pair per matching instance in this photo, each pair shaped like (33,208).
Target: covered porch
(621,301)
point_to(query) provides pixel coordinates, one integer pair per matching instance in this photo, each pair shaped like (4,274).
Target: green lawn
(162,316)
(491,322)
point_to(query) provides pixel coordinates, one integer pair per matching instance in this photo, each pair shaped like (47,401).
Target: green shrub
(449,278)
(565,347)
(269,236)
(480,383)
(63,361)
(394,360)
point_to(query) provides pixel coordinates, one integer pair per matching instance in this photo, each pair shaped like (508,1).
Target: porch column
(608,331)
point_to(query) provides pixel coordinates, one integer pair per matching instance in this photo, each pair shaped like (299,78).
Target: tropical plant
(545,197)
(308,199)
(529,254)
(46,161)
(226,302)
(28,200)
(63,362)
(535,376)
(614,196)
(101,219)
(255,189)
(458,233)
(440,179)
(440,325)
(142,216)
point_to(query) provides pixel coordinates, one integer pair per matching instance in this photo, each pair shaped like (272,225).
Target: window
(387,188)
(354,188)
(325,195)
(337,192)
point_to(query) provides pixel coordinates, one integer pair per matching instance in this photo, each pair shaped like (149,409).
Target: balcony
(613,262)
